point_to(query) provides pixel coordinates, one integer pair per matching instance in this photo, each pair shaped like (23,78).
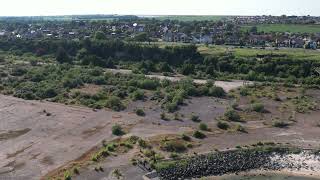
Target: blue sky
(159,7)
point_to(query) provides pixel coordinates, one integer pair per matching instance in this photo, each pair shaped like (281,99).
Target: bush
(258,107)
(174,146)
(223,125)
(186,137)
(142,143)
(137,95)
(232,115)
(174,155)
(216,91)
(199,135)
(171,107)
(235,105)
(280,124)
(240,129)
(76,170)
(117,130)
(203,127)
(67,175)
(195,118)
(163,116)
(140,112)
(114,103)
(149,84)
(244,91)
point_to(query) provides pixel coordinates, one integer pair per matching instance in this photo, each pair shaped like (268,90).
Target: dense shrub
(185,137)
(171,107)
(203,127)
(149,84)
(232,115)
(173,146)
(280,124)
(216,91)
(223,125)
(137,95)
(114,103)
(258,107)
(195,118)
(117,130)
(140,112)
(199,135)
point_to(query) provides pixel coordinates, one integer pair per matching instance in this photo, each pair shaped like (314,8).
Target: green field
(302,54)
(299,53)
(192,18)
(293,28)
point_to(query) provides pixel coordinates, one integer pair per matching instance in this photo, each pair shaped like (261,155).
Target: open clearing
(293,28)
(33,142)
(39,137)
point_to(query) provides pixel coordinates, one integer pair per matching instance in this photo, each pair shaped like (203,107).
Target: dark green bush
(232,115)
(203,127)
(223,125)
(117,130)
(195,118)
(140,112)
(216,91)
(258,107)
(199,135)
(137,95)
(280,124)
(173,146)
(114,103)
(186,137)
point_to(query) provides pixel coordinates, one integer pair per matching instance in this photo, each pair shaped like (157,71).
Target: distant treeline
(97,52)
(185,59)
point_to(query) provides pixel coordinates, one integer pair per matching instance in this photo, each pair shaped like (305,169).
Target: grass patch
(293,28)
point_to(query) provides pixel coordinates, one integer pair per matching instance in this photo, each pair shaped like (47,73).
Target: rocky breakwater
(221,163)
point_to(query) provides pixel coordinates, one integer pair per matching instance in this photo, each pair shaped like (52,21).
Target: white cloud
(155,7)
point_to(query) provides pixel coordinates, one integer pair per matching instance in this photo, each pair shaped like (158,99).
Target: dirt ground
(33,142)
(38,137)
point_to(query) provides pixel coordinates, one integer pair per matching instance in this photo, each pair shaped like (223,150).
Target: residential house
(311,45)
(175,37)
(2,33)
(202,39)
(297,43)
(259,39)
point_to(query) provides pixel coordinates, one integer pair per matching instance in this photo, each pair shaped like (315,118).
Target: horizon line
(146,15)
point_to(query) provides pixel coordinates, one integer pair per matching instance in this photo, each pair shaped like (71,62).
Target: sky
(159,7)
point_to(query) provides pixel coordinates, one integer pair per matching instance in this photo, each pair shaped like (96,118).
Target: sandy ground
(32,143)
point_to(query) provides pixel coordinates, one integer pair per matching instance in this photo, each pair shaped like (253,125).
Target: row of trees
(99,52)
(186,59)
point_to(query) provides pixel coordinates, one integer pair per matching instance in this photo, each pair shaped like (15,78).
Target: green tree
(99,35)
(62,56)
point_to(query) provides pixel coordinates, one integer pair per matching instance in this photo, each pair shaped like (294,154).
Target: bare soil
(34,143)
